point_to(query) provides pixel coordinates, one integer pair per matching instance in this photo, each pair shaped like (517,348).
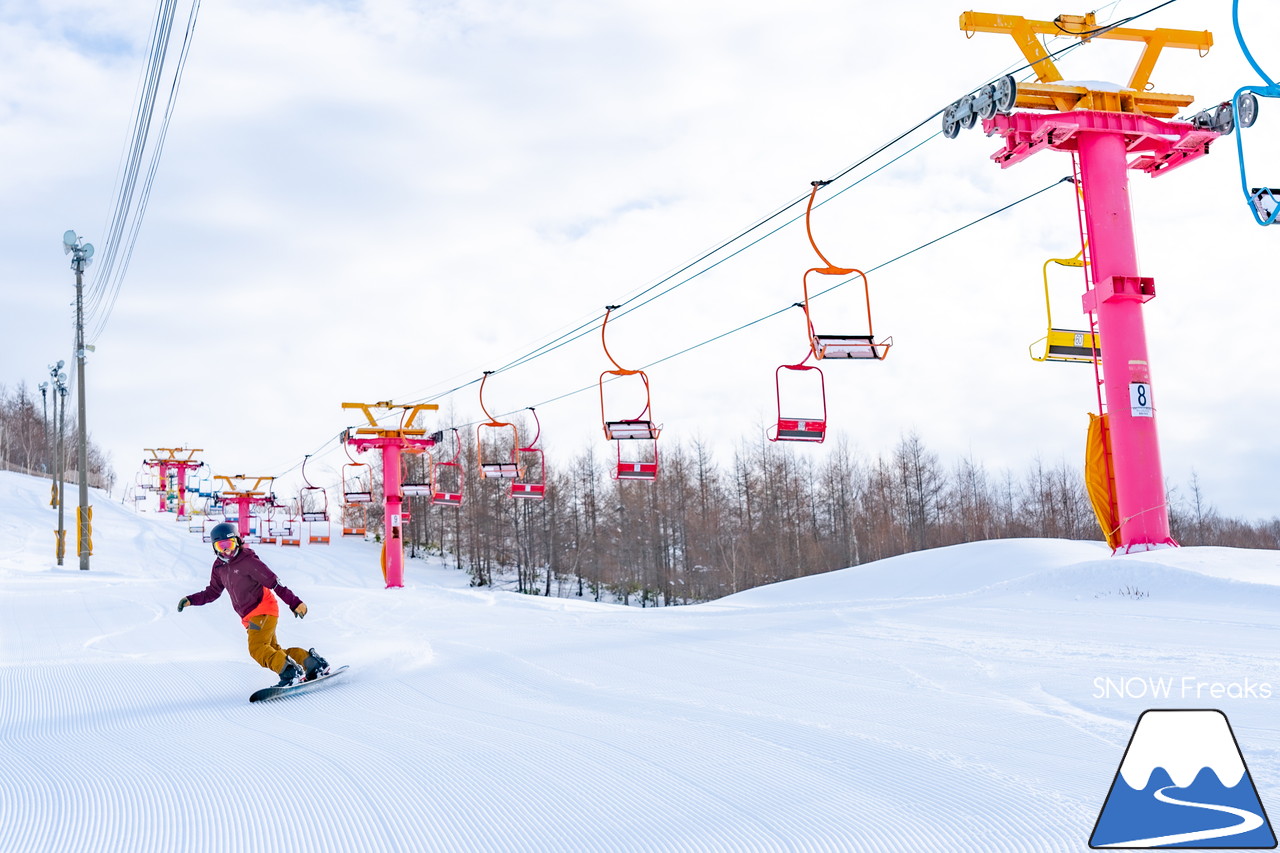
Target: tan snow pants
(263,646)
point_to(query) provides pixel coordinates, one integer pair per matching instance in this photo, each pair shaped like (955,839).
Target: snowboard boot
(316,665)
(291,674)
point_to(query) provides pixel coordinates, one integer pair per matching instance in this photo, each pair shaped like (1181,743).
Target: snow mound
(1050,567)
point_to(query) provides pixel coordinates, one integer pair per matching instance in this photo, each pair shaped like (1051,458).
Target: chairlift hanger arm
(619,369)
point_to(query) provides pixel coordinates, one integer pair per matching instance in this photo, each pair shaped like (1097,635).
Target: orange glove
(301,610)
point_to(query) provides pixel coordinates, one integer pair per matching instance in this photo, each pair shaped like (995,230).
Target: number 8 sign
(1140,400)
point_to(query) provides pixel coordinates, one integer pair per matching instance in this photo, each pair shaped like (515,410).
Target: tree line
(29,439)
(705,529)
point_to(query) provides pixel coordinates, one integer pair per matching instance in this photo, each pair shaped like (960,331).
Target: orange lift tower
(406,438)
(1108,129)
(170,461)
(238,491)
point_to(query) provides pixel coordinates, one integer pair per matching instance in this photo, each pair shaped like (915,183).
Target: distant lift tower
(166,460)
(1104,126)
(405,438)
(246,493)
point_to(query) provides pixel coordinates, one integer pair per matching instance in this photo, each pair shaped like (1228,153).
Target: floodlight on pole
(81,255)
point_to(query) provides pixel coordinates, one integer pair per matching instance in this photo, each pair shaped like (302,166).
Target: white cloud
(368,200)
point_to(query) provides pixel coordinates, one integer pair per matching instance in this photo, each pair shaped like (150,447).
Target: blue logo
(1183,783)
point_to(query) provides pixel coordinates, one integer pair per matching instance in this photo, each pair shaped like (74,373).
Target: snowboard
(300,687)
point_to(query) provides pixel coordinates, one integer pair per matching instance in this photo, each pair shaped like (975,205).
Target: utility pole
(44,425)
(81,255)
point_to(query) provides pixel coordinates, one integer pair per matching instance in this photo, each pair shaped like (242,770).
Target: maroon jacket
(244,576)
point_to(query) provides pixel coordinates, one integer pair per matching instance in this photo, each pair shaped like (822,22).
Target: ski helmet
(224,530)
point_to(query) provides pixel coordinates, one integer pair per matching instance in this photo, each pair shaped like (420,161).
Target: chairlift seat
(528,490)
(637,471)
(358,497)
(802,429)
(630,429)
(446,498)
(1071,345)
(1264,201)
(499,470)
(318,539)
(353,531)
(315,515)
(848,346)
(415,489)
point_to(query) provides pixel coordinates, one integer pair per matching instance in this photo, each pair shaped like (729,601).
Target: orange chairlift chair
(532,482)
(446,473)
(357,481)
(640,434)
(838,346)
(496,466)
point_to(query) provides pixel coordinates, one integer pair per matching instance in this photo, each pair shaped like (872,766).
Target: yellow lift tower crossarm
(173,453)
(1047,95)
(239,484)
(408,416)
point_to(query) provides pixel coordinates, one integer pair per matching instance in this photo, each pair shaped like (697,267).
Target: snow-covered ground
(978,697)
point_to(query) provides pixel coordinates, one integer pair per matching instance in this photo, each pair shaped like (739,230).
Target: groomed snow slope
(946,700)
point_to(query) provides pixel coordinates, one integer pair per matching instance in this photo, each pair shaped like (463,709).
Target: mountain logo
(1183,783)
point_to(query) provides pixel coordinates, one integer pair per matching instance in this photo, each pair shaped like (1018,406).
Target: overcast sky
(362,201)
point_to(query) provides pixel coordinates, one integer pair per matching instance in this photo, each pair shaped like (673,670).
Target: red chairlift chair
(794,428)
(532,482)
(640,462)
(844,345)
(494,430)
(446,474)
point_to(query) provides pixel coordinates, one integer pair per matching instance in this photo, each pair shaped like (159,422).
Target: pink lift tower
(167,459)
(1108,129)
(405,437)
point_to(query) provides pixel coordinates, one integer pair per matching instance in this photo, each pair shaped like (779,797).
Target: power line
(131,202)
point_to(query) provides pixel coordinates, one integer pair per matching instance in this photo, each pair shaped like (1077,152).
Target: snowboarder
(253,588)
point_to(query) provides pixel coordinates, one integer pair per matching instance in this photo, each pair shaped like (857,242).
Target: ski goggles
(226,546)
